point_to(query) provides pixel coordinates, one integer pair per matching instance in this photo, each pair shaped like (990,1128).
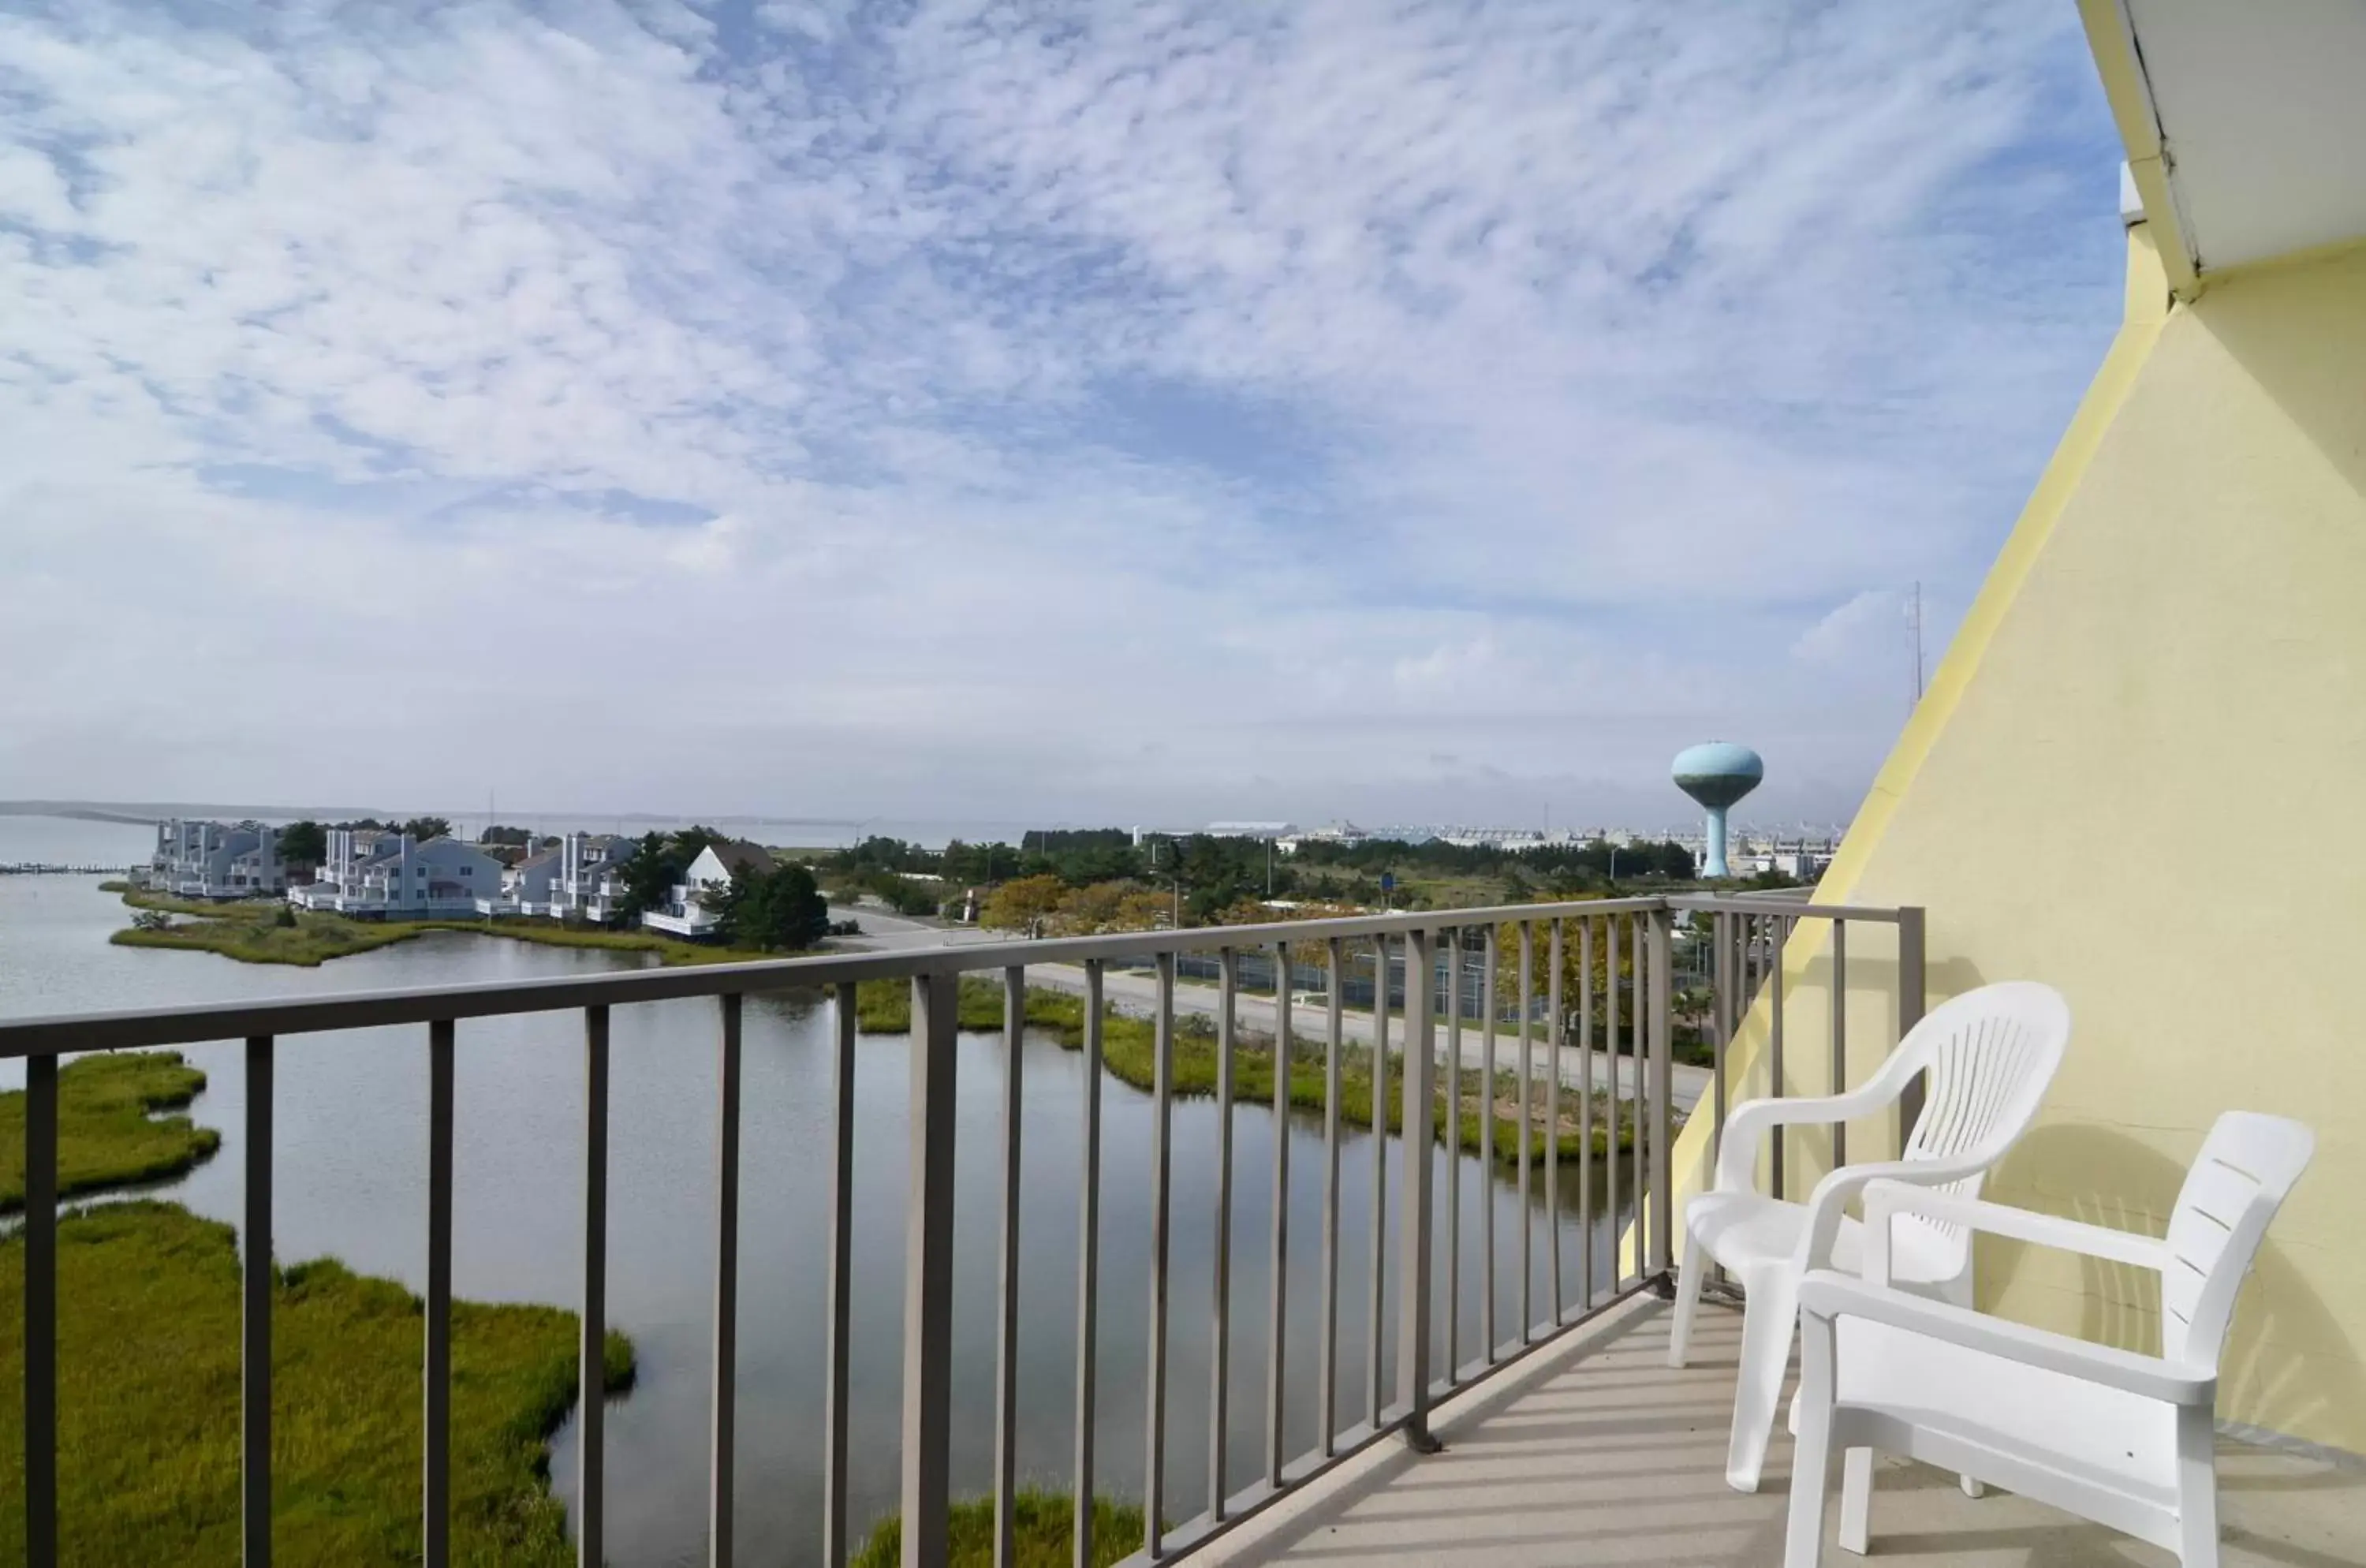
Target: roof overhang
(2244,125)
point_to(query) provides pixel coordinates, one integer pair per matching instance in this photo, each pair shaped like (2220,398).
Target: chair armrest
(1827,1294)
(1885,1200)
(1737,1152)
(1829,1202)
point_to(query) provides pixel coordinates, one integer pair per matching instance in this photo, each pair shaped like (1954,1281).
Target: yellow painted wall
(2135,777)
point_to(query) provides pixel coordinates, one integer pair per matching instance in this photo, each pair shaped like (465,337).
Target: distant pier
(45,868)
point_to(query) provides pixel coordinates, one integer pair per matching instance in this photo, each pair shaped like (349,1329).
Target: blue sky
(1081,413)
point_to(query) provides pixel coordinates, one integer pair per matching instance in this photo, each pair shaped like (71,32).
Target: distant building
(525,885)
(1517,840)
(588,883)
(215,860)
(377,874)
(1275,830)
(686,912)
(1340,831)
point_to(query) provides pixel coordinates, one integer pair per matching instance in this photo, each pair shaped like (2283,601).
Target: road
(1138,994)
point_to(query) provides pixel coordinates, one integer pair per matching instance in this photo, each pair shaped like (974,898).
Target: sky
(1163,411)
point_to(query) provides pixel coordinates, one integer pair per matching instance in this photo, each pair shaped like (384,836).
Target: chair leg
(1959,1292)
(1688,1289)
(2197,1488)
(1770,1313)
(1856,1501)
(1803,1535)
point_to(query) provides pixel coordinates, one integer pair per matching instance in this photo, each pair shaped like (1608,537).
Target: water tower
(1717,774)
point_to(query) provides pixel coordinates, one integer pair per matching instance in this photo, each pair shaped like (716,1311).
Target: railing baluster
(1722,1012)
(1374,1346)
(839,1329)
(41,1311)
(1775,1044)
(1610,1049)
(1586,1112)
(1647,1108)
(1162,1158)
(726,1395)
(1454,1156)
(928,1271)
(1088,1268)
(1662,1201)
(1910,1001)
(254,1327)
(591,1348)
(1553,1057)
(436,1489)
(1219,1332)
(1328,1370)
(1527,1137)
(1417,1119)
(1276,1313)
(1006,1365)
(1487,1336)
(1839,1035)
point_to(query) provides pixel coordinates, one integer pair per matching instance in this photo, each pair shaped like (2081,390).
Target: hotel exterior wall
(2157,705)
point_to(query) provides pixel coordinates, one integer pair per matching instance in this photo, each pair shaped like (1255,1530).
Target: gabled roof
(736,854)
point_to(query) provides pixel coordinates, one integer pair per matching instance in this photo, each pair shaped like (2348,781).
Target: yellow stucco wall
(2135,777)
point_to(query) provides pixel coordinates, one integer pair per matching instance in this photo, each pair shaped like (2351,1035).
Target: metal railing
(1747,938)
(1621,1008)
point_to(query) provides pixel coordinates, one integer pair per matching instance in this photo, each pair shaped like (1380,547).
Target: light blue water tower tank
(1716,774)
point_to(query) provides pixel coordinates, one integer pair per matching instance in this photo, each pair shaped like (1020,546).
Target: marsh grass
(148,1406)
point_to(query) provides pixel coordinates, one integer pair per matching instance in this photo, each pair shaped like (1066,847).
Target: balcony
(1596,1452)
(1298,1353)
(681,920)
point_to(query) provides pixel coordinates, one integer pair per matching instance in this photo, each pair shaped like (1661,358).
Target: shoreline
(249,932)
(1129,1053)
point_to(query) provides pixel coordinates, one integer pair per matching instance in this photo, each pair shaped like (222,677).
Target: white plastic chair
(1989,1054)
(2121,1439)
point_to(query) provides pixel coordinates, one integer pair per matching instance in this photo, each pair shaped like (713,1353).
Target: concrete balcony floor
(1598,1453)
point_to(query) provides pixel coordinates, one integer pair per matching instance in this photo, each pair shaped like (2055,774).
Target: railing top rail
(1768,904)
(143,1027)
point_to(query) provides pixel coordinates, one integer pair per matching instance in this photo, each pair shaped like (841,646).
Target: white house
(215,860)
(686,912)
(376,873)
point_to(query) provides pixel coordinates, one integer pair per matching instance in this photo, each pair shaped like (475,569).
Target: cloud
(930,409)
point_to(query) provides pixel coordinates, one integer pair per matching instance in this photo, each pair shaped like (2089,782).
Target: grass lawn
(106,1136)
(1042,1533)
(148,1325)
(1128,1050)
(249,932)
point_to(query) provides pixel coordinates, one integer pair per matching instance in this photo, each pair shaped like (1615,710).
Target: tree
(1111,907)
(1577,986)
(774,911)
(425,828)
(1023,905)
(304,843)
(650,874)
(496,833)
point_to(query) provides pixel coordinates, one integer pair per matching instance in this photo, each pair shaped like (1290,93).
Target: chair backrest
(1988,1058)
(2247,1165)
